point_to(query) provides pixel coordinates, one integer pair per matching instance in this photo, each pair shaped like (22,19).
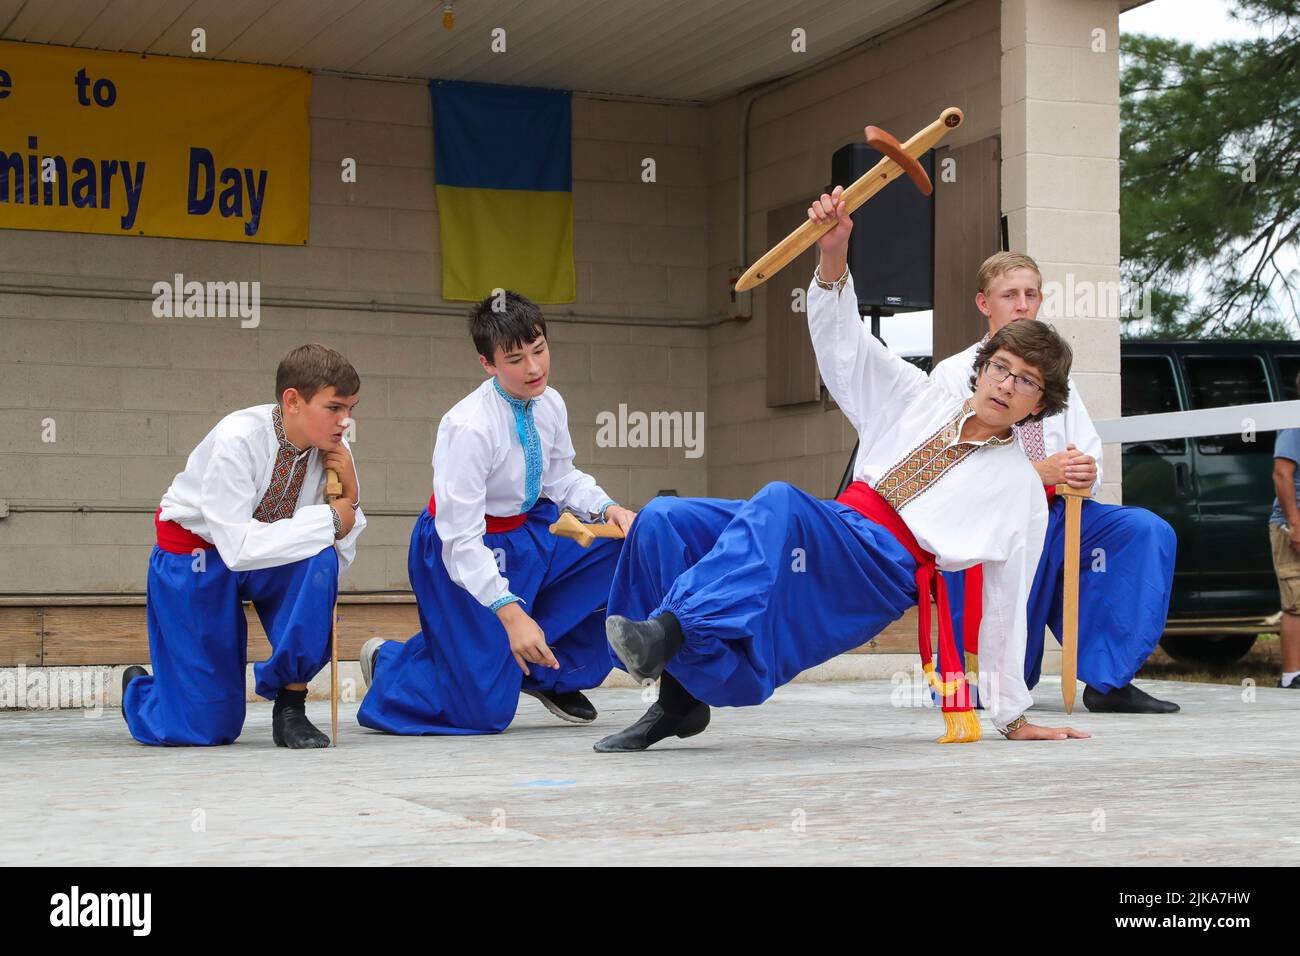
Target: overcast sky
(1192,21)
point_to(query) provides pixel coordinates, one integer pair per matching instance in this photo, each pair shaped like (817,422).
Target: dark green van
(1216,491)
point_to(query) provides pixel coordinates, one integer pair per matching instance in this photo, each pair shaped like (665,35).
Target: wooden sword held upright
(334,489)
(898,159)
(1070,600)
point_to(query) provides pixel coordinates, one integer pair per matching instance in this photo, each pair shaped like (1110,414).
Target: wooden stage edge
(53,631)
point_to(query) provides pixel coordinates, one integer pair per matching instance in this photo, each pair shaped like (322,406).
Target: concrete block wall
(901,84)
(1060,174)
(130,394)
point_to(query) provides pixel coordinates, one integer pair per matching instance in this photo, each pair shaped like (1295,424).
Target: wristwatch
(1014,725)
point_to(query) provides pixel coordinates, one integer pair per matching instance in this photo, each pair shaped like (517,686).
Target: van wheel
(1207,648)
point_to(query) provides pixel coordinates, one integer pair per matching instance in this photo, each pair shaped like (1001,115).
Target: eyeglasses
(1025,386)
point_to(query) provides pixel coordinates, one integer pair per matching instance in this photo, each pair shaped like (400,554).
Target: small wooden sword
(1070,602)
(899,159)
(334,489)
(570,527)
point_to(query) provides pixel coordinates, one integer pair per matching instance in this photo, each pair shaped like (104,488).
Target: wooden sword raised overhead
(898,159)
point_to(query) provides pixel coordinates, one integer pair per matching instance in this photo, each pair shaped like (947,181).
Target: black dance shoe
(1126,700)
(655,725)
(573,706)
(367,657)
(290,726)
(130,674)
(644,647)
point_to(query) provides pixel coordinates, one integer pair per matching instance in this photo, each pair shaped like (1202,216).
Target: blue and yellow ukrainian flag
(504,181)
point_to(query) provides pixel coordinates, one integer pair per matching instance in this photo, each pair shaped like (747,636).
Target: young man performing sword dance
(708,598)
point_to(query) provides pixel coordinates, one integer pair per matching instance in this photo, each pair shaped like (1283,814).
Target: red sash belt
(495,525)
(174,539)
(930,586)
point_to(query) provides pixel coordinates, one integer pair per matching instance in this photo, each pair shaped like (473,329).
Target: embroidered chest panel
(929,461)
(286,479)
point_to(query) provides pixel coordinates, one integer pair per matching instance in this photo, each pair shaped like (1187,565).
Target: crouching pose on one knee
(247,521)
(505,606)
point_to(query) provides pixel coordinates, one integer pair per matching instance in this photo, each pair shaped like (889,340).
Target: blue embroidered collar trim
(529,441)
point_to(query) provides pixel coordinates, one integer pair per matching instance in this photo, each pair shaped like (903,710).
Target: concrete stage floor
(828,773)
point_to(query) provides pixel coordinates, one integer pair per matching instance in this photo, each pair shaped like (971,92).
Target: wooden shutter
(791,365)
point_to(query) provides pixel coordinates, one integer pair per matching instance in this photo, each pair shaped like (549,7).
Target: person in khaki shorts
(1284,534)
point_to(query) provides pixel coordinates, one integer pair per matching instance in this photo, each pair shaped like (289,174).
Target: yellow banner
(152,145)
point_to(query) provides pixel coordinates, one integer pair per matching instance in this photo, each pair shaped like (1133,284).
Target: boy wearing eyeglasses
(724,601)
(1127,554)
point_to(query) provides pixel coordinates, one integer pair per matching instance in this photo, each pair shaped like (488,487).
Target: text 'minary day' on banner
(127,144)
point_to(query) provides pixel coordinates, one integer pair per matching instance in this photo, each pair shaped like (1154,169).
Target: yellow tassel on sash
(963,727)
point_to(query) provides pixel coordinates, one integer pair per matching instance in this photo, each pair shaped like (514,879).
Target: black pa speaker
(891,249)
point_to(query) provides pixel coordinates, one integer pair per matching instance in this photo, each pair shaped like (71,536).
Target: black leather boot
(289,724)
(675,714)
(644,647)
(655,724)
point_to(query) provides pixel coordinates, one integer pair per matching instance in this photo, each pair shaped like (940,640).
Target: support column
(1060,181)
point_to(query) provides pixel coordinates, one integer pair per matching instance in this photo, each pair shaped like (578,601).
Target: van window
(1287,368)
(1216,381)
(1146,386)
